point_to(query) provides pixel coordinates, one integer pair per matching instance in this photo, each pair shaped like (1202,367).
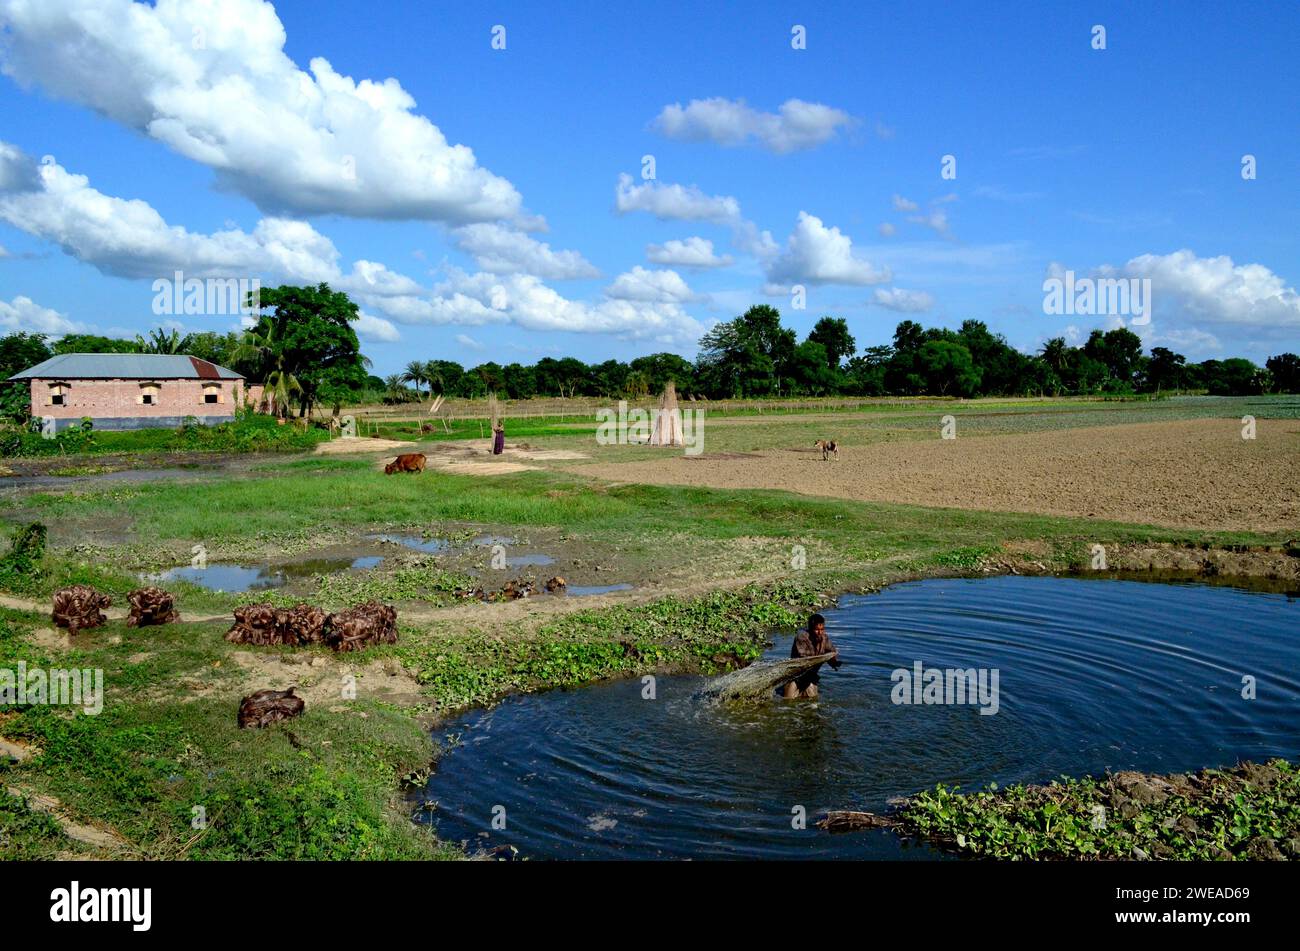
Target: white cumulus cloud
(903,301)
(129,238)
(673,202)
(643,284)
(1214,289)
(503,250)
(24,314)
(796,125)
(525,301)
(817,254)
(210,80)
(370,327)
(692,252)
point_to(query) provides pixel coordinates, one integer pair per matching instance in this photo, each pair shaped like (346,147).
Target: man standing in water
(811,643)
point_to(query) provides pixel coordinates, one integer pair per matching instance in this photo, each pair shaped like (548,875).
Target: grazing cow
(828,448)
(407,462)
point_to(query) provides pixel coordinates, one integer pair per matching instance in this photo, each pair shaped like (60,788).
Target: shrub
(20,567)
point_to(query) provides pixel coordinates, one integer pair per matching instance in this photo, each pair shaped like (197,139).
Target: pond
(1091,675)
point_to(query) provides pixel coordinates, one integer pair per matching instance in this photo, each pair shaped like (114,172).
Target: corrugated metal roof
(126,366)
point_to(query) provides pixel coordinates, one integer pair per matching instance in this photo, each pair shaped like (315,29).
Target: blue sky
(210,118)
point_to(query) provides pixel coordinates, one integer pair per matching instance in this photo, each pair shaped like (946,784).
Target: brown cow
(407,462)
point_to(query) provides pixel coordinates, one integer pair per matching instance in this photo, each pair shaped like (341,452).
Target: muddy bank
(1248,812)
(1274,569)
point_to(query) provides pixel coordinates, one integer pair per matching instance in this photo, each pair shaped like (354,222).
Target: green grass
(712,632)
(248,433)
(352,497)
(318,787)
(1229,814)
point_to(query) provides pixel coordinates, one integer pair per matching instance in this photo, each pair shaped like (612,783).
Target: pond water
(416,542)
(237,578)
(1092,675)
(586,590)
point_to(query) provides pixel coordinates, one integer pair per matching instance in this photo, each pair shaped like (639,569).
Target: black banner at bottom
(134,900)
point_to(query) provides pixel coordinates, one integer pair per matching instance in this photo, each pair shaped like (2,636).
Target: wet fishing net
(79,606)
(151,606)
(361,626)
(269,706)
(263,625)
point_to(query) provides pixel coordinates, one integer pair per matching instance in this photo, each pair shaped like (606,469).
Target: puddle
(521,561)
(415,542)
(234,579)
(583,590)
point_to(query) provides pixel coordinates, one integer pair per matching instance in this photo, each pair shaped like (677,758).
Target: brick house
(133,390)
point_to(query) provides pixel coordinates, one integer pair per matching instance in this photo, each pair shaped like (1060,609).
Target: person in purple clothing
(498,440)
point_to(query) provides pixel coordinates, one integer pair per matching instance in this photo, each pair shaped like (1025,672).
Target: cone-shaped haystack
(668,421)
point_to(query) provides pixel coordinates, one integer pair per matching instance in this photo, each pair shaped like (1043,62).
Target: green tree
(160,341)
(521,384)
(1056,353)
(811,372)
(316,345)
(1285,368)
(866,373)
(659,368)
(416,373)
(947,368)
(1119,351)
(22,351)
(94,343)
(19,351)
(1165,370)
(1234,376)
(748,355)
(443,376)
(833,334)
(262,349)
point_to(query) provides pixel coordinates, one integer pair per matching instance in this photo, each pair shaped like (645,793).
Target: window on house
(149,394)
(58,395)
(212,394)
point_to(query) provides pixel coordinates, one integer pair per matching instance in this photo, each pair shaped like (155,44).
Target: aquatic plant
(1247,812)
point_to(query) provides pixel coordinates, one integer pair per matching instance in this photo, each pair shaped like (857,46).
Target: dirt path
(1192,473)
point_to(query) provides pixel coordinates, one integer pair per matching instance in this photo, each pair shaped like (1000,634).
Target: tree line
(306,353)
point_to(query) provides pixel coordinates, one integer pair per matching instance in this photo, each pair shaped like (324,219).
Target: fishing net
(79,606)
(269,706)
(151,606)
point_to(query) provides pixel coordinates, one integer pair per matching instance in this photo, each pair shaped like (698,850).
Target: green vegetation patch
(1248,812)
(716,631)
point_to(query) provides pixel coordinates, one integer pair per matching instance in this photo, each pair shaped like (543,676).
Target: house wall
(116,404)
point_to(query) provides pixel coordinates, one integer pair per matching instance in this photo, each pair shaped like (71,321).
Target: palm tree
(395,386)
(1056,354)
(415,373)
(433,375)
(160,342)
(260,347)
